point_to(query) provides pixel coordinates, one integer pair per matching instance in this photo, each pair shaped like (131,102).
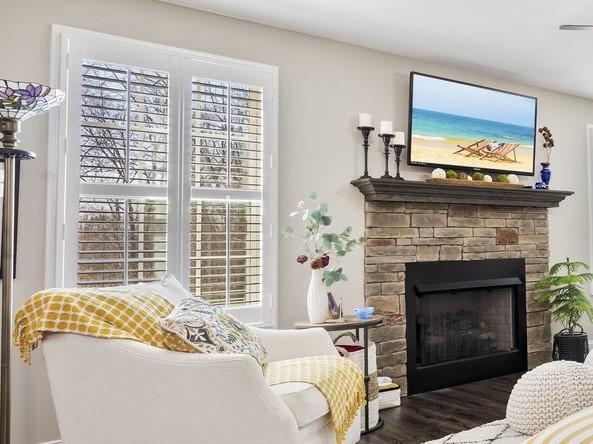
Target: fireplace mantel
(391,190)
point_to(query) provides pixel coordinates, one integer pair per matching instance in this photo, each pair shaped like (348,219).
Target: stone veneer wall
(403,232)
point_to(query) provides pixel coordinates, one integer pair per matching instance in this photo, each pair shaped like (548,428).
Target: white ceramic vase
(317,298)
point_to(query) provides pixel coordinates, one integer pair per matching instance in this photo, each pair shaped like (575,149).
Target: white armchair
(109,391)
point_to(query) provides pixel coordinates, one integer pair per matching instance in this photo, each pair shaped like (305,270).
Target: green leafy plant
(565,295)
(320,246)
(478,176)
(503,178)
(450,174)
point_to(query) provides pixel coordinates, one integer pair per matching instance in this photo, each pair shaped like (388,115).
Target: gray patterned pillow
(197,327)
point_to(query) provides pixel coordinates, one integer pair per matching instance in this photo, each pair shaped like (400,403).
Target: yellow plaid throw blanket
(337,378)
(102,313)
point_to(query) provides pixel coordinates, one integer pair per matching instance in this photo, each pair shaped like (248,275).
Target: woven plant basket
(355,352)
(570,347)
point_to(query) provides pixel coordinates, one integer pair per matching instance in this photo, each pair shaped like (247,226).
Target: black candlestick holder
(386,139)
(366,131)
(398,153)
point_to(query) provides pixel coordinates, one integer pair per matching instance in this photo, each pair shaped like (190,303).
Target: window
(169,168)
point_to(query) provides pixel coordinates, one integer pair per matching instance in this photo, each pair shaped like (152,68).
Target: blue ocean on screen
(437,125)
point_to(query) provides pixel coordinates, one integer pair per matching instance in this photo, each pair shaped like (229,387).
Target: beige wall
(323,85)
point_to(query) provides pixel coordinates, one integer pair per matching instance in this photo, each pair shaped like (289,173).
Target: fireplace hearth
(466,321)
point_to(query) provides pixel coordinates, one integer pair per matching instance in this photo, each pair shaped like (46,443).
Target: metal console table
(352,323)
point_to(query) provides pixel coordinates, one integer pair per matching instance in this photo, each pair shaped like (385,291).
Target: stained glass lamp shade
(22,100)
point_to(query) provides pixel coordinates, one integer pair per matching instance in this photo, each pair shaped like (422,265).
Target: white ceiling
(517,40)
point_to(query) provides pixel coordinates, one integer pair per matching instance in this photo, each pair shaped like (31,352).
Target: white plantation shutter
(226,130)
(101,243)
(124,124)
(123,140)
(173,167)
(121,241)
(225,254)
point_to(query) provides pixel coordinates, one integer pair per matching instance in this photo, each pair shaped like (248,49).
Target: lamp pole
(7,255)
(9,154)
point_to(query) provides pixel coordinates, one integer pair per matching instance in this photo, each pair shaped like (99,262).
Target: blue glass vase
(545,173)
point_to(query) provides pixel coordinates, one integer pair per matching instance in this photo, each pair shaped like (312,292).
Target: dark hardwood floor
(435,414)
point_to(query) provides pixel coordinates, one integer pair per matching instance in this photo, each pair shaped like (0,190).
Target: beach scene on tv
(469,126)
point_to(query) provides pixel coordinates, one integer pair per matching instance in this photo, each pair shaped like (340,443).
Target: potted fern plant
(568,304)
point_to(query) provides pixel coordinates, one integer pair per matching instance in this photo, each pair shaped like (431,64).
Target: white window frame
(69,46)
(589,138)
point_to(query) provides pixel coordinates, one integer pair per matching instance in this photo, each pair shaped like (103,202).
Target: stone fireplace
(411,222)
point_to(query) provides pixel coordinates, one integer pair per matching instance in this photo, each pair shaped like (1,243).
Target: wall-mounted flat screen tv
(455,124)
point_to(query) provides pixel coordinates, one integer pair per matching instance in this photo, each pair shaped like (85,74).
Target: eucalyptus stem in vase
(321,250)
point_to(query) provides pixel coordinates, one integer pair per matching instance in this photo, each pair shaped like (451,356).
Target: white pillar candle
(386,127)
(400,138)
(365,119)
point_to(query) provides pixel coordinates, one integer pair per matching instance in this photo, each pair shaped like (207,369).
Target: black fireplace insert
(466,320)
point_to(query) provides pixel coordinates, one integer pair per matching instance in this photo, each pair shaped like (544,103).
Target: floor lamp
(18,102)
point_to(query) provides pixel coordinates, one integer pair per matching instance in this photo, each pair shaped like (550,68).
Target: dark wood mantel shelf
(391,190)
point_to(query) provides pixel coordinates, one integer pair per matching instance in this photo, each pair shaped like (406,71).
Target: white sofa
(119,391)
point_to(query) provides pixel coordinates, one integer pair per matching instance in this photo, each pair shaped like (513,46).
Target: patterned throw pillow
(195,326)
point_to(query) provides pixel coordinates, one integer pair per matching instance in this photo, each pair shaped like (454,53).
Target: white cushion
(173,290)
(320,430)
(549,393)
(168,287)
(305,401)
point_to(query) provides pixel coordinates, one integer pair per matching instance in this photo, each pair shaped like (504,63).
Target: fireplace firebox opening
(466,321)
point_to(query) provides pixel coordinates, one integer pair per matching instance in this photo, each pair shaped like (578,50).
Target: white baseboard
(51,442)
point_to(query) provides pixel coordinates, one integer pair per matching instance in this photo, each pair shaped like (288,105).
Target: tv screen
(469,127)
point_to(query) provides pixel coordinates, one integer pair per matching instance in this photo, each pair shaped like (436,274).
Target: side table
(353,323)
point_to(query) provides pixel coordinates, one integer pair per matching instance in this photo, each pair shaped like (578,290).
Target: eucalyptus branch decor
(321,250)
(568,304)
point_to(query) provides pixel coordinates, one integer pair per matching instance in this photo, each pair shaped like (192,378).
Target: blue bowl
(364,313)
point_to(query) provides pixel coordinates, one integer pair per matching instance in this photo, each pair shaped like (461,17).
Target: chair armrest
(289,344)
(144,394)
